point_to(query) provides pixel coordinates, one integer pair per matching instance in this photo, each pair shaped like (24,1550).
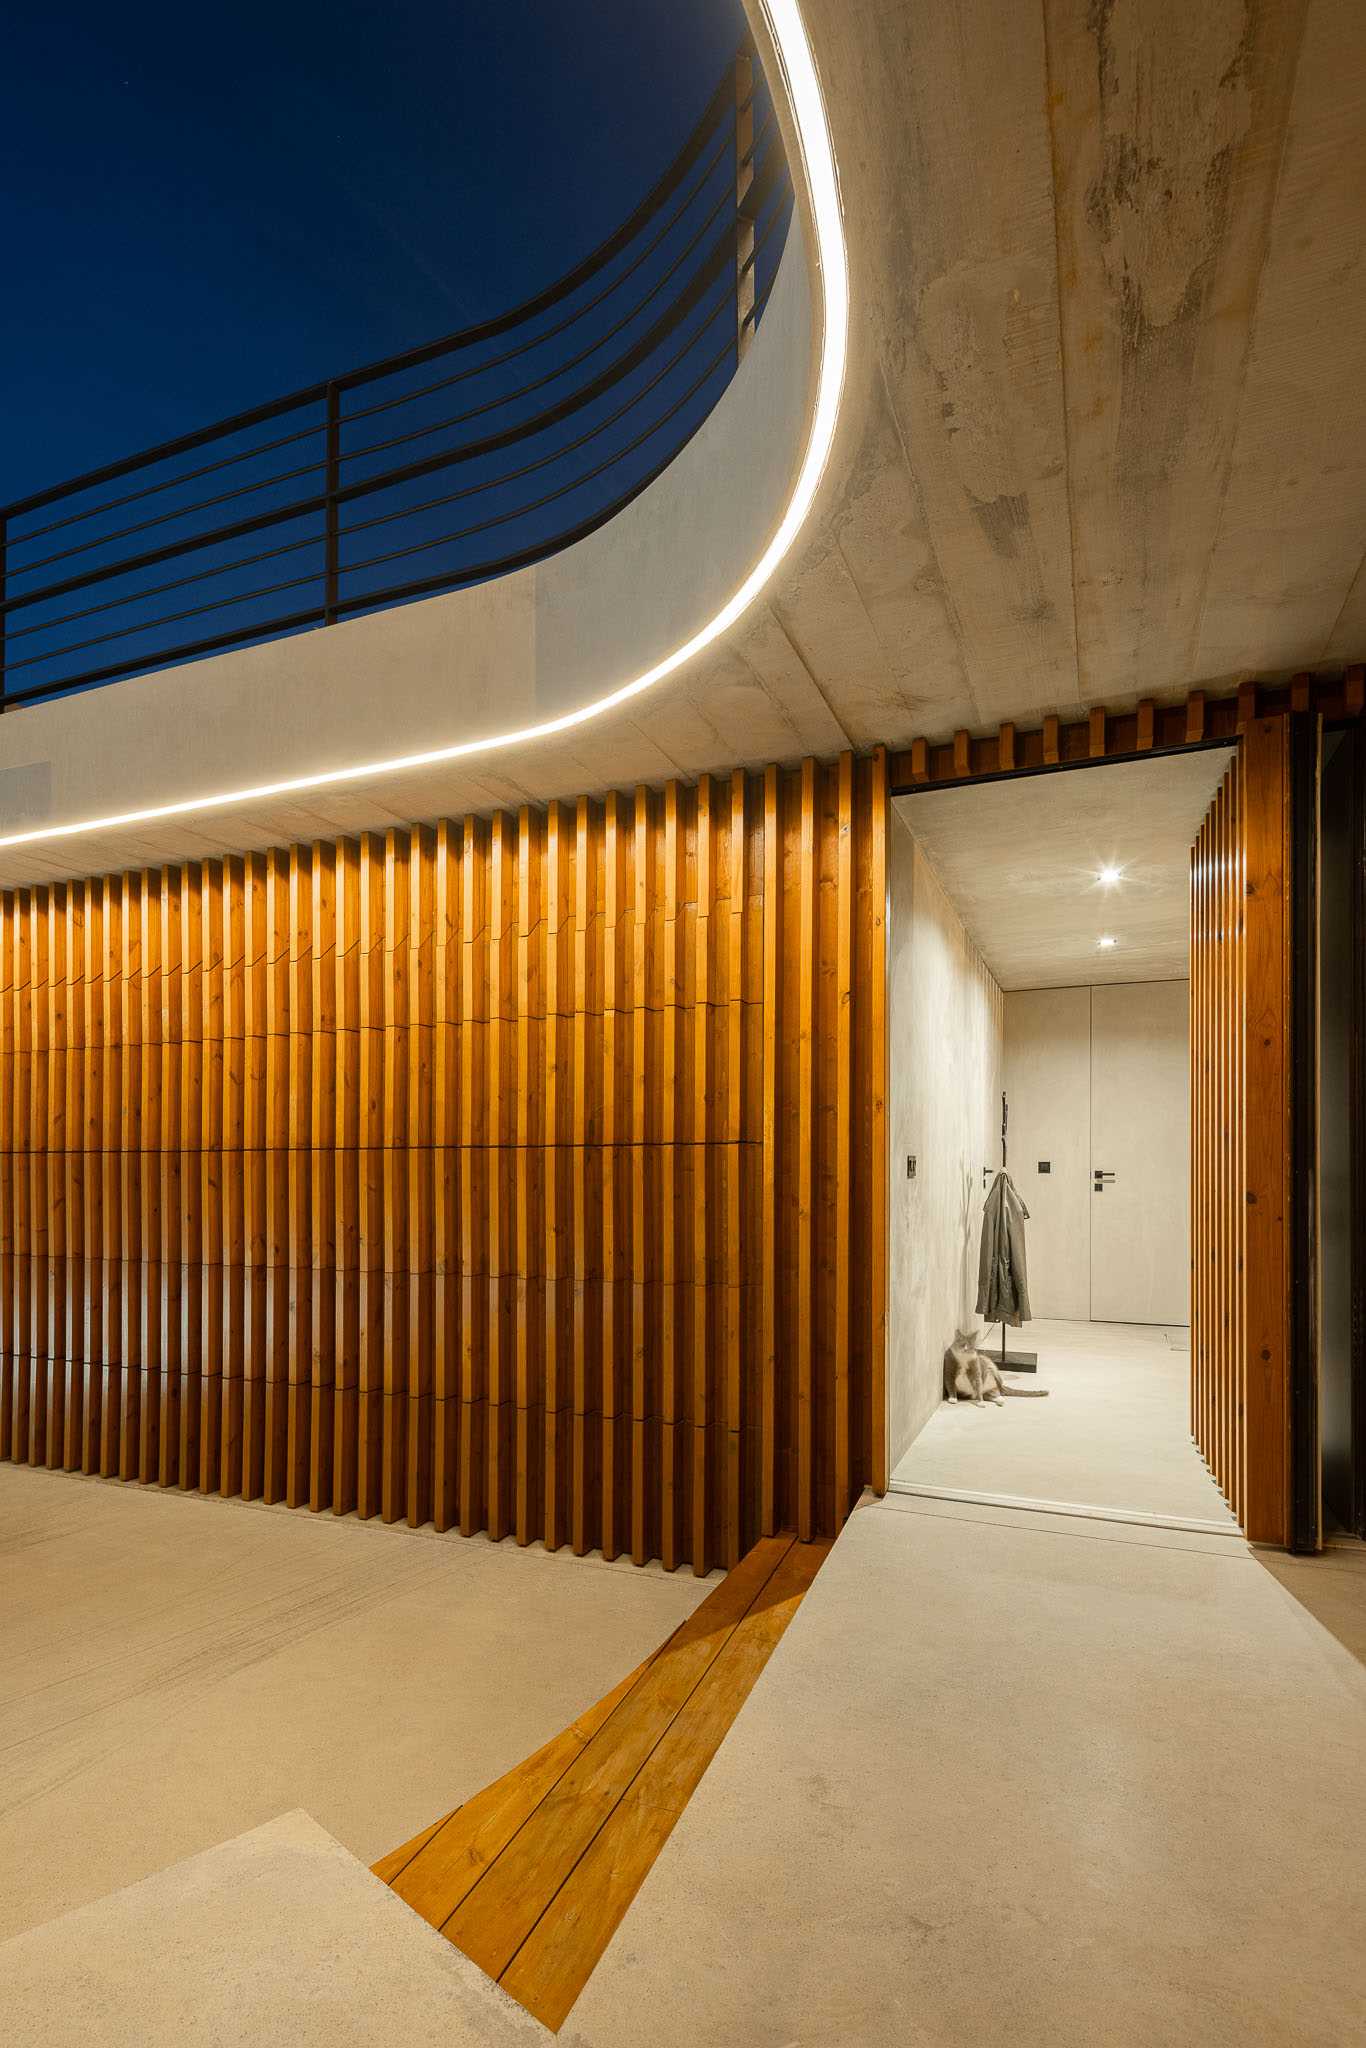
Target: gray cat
(969,1375)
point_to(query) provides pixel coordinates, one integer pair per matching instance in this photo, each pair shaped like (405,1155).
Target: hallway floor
(1113,1432)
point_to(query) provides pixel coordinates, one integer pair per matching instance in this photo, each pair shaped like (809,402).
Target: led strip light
(818,164)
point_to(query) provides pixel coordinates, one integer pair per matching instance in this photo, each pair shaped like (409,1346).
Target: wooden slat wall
(523,1174)
(1240,1151)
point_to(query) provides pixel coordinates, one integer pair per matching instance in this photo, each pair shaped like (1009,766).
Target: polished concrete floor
(176,1670)
(1025,1779)
(1113,1432)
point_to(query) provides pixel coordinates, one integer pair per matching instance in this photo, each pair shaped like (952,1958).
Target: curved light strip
(818,162)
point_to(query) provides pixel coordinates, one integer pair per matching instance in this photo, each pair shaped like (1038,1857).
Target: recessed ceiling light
(1107,941)
(1110,877)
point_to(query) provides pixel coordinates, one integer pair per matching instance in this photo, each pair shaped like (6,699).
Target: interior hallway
(1021,1778)
(1113,1432)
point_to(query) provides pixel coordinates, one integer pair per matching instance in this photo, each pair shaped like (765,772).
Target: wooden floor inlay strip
(532,1877)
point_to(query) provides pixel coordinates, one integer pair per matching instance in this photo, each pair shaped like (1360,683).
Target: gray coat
(1002,1283)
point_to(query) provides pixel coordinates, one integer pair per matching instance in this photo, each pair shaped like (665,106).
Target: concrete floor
(176,1670)
(280,1938)
(1113,1433)
(1009,1776)
(1024,1779)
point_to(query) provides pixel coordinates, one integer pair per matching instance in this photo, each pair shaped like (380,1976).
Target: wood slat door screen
(524,1175)
(1240,1150)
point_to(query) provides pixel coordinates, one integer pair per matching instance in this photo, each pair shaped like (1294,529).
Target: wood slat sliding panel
(520,1174)
(1240,1151)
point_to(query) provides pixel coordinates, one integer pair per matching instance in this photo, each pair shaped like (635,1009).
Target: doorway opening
(1038,955)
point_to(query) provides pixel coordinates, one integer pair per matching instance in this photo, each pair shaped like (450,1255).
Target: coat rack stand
(1018,1361)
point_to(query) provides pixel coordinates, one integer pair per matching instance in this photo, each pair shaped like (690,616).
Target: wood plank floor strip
(396,1862)
(561,1952)
(509,1898)
(448,1863)
(532,1877)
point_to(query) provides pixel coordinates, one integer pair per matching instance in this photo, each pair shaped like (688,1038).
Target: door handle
(1100,1179)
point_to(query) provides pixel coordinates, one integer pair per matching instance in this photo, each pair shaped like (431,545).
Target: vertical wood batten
(877,1059)
(1240,1068)
(804,1301)
(1266,790)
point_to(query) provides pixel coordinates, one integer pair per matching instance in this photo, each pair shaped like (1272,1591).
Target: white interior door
(1140,1140)
(1048,1081)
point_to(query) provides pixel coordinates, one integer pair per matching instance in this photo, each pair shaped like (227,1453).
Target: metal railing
(447,465)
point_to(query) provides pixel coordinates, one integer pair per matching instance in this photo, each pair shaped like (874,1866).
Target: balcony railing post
(331,566)
(744,219)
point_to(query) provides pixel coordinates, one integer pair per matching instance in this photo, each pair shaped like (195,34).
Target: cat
(969,1375)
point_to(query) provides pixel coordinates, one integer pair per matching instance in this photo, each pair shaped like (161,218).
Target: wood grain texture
(517,1174)
(533,1876)
(1240,1154)
(1200,720)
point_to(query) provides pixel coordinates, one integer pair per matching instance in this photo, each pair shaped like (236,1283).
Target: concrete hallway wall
(945,1028)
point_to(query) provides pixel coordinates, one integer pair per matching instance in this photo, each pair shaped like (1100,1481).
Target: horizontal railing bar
(394,554)
(365,412)
(185,476)
(619,239)
(461,419)
(372,448)
(562,490)
(358,526)
(196,611)
(511,476)
(101,540)
(483,572)
(313,394)
(301,508)
(377,447)
(548,334)
(121,670)
(371,601)
(90,611)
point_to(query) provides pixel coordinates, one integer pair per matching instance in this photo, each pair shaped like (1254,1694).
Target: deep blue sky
(211,207)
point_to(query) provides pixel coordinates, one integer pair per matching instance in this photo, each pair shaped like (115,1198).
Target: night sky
(210,208)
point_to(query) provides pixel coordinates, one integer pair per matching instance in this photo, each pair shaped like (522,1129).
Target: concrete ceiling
(1020,861)
(1104,428)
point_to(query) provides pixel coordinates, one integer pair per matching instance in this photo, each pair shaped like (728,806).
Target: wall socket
(910,1166)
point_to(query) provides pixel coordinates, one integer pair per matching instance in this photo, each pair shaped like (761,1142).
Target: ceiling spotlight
(1109,877)
(1107,941)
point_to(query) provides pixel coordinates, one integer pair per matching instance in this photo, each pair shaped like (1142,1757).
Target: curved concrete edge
(493,670)
(279,1937)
